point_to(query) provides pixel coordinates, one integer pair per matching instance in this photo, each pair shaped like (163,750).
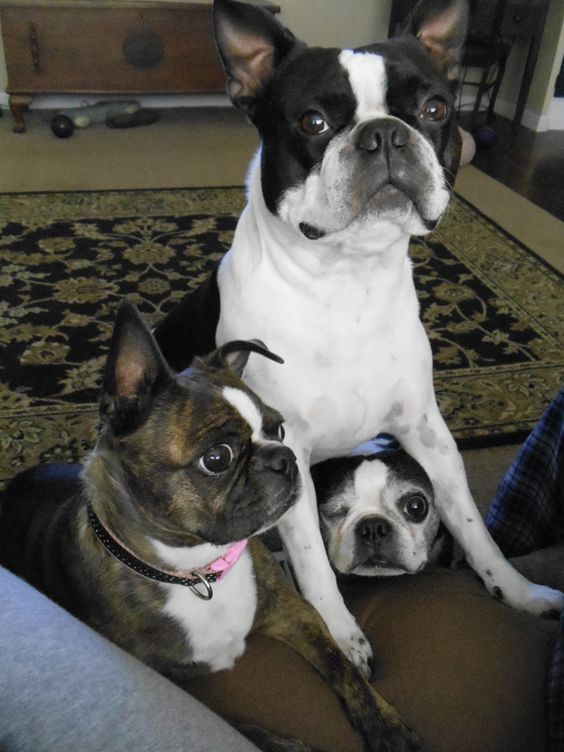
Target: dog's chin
(378,571)
(258,520)
(375,567)
(398,206)
(272,515)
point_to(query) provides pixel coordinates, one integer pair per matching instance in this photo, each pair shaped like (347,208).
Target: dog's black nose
(279,459)
(382,133)
(372,530)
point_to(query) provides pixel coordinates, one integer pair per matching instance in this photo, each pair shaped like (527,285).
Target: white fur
(342,294)
(216,629)
(343,313)
(367,76)
(247,409)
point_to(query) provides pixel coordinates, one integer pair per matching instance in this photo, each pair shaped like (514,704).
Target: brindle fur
(286,616)
(136,480)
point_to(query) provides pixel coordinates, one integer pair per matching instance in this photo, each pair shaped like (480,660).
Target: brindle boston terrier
(136,542)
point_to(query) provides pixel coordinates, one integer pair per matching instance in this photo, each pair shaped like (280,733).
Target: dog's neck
(381,246)
(192,577)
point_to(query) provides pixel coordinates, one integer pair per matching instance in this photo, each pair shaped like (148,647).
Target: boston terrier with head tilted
(359,152)
(148,542)
(376,513)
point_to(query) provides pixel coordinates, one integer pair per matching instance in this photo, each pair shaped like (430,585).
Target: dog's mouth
(374,566)
(311,232)
(377,562)
(391,198)
(377,567)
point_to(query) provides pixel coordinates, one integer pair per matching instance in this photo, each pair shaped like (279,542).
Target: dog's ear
(234,355)
(440,26)
(135,369)
(251,45)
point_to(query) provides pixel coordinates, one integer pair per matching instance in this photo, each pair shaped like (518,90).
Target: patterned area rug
(494,312)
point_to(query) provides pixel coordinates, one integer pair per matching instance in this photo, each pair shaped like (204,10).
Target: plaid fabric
(528,513)
(528,510)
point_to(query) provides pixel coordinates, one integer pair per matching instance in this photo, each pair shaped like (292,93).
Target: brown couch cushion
(466,672)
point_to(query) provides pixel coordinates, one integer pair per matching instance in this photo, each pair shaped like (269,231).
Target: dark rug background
(493,310)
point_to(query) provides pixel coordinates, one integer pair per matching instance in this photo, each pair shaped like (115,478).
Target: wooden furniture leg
(18,105)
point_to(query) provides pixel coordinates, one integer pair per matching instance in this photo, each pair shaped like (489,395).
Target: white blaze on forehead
(370,480)
(246,408)
(367,76)
(362,493)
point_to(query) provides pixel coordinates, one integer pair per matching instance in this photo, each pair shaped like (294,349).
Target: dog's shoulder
(37,492)
(37,514)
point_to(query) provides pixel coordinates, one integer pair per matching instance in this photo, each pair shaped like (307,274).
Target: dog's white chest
(216,630)
(349,342)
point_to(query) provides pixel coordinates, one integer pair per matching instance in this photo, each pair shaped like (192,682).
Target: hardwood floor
(531,164)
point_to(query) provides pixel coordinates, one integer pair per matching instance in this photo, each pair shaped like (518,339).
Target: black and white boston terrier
(359,152)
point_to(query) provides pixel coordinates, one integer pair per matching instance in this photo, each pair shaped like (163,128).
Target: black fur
(189,329)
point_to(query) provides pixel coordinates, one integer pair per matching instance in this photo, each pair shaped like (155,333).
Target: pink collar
(224,563)
(202,576)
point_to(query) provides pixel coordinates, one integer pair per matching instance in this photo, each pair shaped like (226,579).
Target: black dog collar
(197,577)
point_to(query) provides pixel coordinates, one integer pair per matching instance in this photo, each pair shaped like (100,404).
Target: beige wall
(548,63)
(3,74)
(550,58)
(337,23)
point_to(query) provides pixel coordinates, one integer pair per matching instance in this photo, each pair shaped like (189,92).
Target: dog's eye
(216,460)
(434,109)
(334,514)
(415,507)
(313,123)
(280,432)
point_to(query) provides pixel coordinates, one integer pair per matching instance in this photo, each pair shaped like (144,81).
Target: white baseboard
(556,114)
(161,101)
(530,119)
(553,120)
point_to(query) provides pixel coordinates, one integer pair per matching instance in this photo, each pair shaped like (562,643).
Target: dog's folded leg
(268,742)
(432,445)
(299,530)
(293,621)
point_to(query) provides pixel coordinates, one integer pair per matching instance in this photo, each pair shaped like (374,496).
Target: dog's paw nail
(497,592)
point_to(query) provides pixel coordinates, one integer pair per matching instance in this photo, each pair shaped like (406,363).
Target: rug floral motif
(493,311)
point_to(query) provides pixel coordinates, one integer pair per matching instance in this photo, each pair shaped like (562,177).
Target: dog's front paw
(544,601)
(538,600)
(354,645)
